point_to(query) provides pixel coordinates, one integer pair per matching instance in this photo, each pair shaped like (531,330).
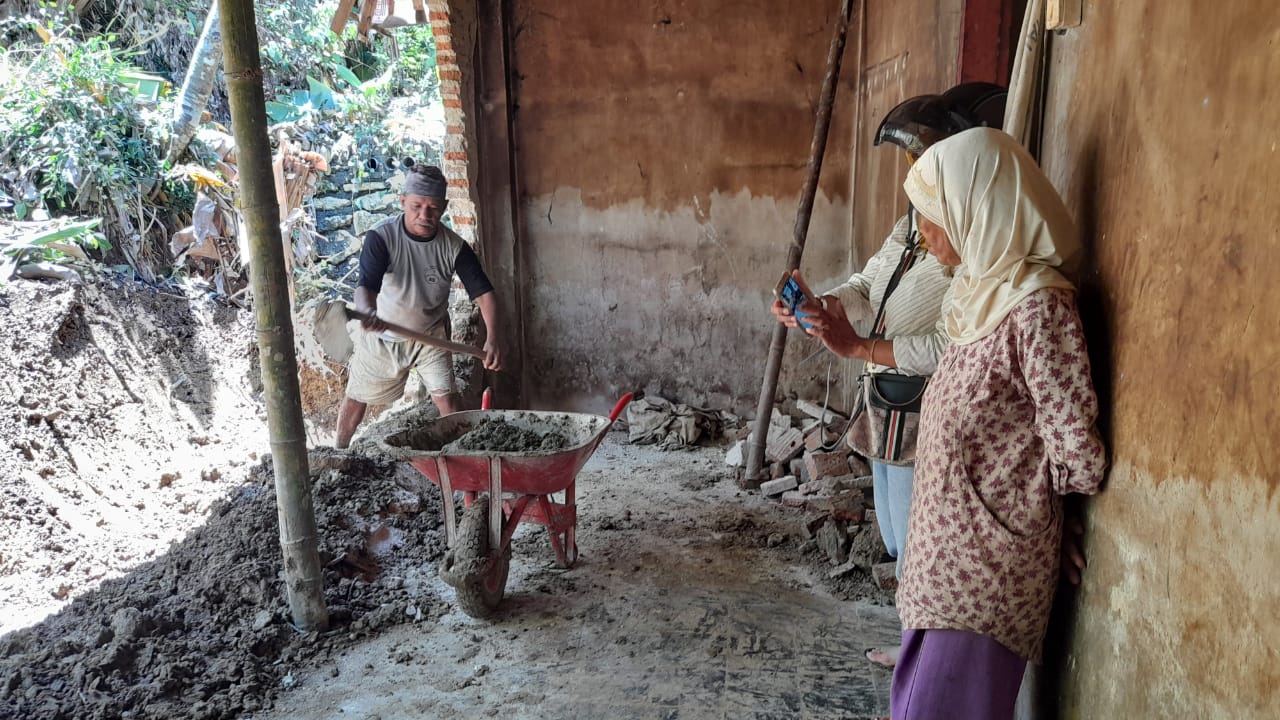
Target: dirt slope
(131,425)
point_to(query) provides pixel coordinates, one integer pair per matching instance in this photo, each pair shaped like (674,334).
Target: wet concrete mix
(500,436)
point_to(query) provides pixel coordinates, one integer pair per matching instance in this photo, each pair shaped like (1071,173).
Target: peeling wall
(1162,128)
(661,148)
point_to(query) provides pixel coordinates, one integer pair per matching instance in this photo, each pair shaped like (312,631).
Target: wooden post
(304,577)
(817,148)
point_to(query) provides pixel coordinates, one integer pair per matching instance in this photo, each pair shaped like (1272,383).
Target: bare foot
(885,656)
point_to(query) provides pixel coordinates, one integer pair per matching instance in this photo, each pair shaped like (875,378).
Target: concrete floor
(675,610)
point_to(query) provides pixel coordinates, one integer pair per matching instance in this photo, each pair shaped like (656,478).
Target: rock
(128,623)
(378,201)
(834,541)
(866,548)
(775,539)
(262,619)
(330,223)
(846,568)
(363,221)
(330,203)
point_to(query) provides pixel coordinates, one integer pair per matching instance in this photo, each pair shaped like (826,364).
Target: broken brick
(824,464)
(858,466)
(791,498)
(883,573)
(779,486)
(834,541)
(810,526)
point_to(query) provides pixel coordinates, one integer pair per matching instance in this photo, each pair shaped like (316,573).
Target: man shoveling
(407,267)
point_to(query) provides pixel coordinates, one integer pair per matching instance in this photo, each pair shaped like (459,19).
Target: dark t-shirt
(374,261)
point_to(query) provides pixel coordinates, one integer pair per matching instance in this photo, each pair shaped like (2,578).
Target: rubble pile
(812,470)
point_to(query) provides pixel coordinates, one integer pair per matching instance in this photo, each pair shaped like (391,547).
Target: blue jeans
(892,493)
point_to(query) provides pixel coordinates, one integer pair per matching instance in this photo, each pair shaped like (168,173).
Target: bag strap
(910,254)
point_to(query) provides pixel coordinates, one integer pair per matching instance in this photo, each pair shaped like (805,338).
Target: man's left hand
(492,356)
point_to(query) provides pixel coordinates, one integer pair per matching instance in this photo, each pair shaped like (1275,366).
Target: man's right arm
(374,260)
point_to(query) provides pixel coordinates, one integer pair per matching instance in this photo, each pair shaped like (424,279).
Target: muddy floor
(138,509)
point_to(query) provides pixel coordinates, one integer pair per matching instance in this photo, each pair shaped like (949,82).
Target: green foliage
(57,244)
(71,134)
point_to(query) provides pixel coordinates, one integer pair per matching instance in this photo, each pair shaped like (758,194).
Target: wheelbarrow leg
(495,504)
(446,497)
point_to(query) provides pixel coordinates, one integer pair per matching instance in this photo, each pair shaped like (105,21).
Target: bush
(75,141)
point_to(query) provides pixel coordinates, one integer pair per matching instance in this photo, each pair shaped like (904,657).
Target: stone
(363,221)
(329,203)
(869,516)
(779,486)
(262,619)
(833,540)
(839,571)
(365,187)
(777,470)
(823,464)
(329,223)
(883,574)
(377,201)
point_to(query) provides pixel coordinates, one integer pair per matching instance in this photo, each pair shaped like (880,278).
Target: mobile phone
(792,296)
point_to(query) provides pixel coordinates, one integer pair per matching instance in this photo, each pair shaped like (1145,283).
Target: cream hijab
(1005,221)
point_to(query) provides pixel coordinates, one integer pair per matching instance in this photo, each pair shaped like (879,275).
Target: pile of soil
(500,436)
(134,505)
(204,631)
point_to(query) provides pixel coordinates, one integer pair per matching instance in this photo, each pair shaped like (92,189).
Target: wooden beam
(986,40)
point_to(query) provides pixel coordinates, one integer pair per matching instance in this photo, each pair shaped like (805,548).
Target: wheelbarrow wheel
(478,576)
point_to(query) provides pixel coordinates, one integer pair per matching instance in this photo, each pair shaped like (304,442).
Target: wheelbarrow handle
(622,404)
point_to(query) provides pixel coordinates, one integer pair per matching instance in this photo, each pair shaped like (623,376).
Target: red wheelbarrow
(479,552)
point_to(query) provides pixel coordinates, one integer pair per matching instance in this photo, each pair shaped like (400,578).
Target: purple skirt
(954,674)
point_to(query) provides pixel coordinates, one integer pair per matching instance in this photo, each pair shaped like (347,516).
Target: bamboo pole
(304,578)
(817,148)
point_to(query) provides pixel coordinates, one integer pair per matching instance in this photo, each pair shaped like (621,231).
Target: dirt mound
(204,632)
(132,499)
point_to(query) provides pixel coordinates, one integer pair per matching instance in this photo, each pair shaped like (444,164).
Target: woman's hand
(831,326)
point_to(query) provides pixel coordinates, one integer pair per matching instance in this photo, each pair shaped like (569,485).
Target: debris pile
(812,470)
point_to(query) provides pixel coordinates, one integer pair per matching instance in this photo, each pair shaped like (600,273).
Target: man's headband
(432,186)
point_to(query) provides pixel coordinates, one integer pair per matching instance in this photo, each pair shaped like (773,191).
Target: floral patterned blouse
(1007,428)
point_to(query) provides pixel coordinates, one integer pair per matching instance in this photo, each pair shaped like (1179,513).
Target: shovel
(331,332)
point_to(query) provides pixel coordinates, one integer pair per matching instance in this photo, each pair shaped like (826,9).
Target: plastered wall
(1162,129)
(661,149)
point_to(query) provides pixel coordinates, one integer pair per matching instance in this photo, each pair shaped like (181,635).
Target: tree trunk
(197,86)
(303,576)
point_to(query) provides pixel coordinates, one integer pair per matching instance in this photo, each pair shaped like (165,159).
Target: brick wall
(462,207)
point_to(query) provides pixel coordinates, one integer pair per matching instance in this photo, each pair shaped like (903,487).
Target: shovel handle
(421,337)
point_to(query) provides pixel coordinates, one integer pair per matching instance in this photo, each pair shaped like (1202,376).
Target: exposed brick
(794,499)
(453,103)
(443,46)
(453,129)
(459,155)
(449,74)
(464,220)
(777,470)
(439,16)
(779,486)
(884,577)
(820,464)
(809,527)
(858,466)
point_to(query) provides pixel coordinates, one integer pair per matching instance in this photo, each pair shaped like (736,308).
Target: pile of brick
(812,470)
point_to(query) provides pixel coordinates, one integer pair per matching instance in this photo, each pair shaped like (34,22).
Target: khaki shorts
(379,368)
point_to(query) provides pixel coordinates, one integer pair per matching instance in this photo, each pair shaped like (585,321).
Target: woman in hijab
(1007,429)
